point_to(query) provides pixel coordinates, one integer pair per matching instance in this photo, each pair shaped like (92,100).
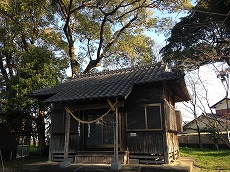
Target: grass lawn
(17,164)
(208,159)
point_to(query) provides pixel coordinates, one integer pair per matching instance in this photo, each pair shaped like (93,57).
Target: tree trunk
(34,140)
(41,133)
(75,66)
(92,64)
(216,146)
(199,135)
(197,125)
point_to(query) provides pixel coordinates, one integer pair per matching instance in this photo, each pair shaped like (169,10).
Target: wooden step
(99,157)
(59,157)
(147,159)
(100,152)
(146,156)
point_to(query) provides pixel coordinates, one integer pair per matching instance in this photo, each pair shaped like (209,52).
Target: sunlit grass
(207,158)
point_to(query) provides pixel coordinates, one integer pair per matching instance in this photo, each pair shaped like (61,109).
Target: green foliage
(130,50)
(39,68)
(100,28)
(202,37)
(28,34)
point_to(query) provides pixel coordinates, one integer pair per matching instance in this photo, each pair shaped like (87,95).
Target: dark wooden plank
(145,94)
(154,117)
(58,122)
(145,142)
(136,118)
(58,143)
(151,162)
(145,157)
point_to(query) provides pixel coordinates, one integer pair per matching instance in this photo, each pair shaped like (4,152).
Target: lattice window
(144,117)
(100,132)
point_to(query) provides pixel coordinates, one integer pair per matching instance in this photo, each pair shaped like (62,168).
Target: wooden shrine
(126,116)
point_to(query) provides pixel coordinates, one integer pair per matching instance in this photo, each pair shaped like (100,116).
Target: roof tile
(107,84)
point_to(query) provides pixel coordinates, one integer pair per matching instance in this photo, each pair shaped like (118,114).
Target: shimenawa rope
(88,122)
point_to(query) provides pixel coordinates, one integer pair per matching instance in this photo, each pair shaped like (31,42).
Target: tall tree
(39,68)
(99,27)
(201,37)
(27,35)
(24,25)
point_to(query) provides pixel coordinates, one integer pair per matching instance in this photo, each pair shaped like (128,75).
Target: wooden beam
(50,145)
(111,105)
(116,137)
(75,106)
(66,163)
(67,129)
(116,164)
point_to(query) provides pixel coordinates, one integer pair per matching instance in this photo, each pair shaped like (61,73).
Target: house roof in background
(211,116)
(219,102)
(117,83)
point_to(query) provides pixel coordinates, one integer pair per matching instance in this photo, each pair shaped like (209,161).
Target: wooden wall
(144,124)
(173,146)
(143,108)
(179,121)
(58,143)
(170,117)
(145,142)
(193,139)
(58,136)
(58,122)
(145,94)
(173,124)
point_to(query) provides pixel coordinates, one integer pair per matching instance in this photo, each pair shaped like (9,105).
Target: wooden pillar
(116,164)
(50,148)
(51,135)
(165,135)
(66,163)
(116,138)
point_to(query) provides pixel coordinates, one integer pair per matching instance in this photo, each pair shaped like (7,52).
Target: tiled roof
(220,102)
(107,84)
(209,116)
